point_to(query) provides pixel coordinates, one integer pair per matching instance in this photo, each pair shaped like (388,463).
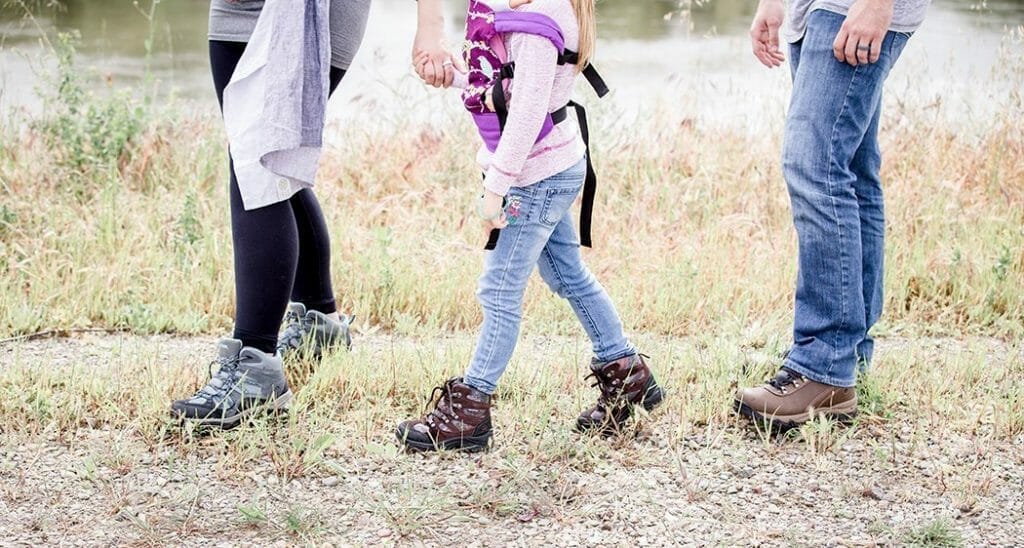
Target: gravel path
(722,483)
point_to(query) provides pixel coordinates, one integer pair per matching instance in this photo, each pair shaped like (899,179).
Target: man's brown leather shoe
(624,384)
(791,399)
(460,420)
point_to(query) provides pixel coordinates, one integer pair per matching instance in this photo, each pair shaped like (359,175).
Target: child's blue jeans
(543,235)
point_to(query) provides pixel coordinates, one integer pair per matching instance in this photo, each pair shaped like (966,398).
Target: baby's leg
(562,268)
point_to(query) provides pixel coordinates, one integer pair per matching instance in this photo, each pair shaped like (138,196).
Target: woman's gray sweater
(234,21)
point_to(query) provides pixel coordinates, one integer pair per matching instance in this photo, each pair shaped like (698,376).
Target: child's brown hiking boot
(460,420)
(624,383)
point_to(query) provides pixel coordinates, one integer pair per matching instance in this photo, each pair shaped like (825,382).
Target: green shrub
(85,130)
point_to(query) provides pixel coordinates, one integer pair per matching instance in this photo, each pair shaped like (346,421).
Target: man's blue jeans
(831,162)
(543,235)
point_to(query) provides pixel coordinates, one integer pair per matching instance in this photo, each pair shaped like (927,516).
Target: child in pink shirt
(529,187)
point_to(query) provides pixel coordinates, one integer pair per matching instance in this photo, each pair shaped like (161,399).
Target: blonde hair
(588,30)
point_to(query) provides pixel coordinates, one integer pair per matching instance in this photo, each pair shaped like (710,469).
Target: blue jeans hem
(480,385)
(618,355)
(818,377)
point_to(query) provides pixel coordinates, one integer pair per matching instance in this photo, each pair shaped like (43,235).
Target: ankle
(264,343)
(328,308)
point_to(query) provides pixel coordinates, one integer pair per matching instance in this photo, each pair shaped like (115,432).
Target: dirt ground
(891,482)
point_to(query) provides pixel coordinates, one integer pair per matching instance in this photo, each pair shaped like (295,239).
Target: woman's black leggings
(282,251)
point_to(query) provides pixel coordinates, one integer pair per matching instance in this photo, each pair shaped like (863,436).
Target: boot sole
(843,413)
(281,404)
(468,444)
(655,395)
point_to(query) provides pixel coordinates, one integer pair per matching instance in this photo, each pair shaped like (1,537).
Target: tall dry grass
(692,227)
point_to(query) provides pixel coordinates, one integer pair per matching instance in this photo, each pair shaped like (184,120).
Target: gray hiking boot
(310,333)
(248,381)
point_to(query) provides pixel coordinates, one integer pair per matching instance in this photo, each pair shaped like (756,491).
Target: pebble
(331,481)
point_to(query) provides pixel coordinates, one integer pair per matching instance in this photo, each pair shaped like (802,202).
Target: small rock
(331,481)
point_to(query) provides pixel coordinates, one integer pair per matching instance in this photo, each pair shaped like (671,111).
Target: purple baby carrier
(489,71)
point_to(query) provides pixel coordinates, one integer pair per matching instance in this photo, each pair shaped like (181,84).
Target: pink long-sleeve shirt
(540,86)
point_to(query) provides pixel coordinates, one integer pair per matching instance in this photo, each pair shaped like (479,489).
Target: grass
(129,233)
(939,533)
(693,230)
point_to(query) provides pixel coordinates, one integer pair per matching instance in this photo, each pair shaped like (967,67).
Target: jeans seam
(501,288)
(839,226)
(549,198)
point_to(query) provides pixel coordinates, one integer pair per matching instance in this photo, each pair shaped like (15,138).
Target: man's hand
(433,63)
(859,41)
(764,33)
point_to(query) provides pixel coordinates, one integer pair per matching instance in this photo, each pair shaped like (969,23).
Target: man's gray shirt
(907,14)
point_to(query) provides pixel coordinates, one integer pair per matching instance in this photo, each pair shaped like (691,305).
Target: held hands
(764,33)
(433,63)
(491,211)
(860,39)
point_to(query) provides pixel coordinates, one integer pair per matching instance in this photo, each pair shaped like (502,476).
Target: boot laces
(610,388)
(292,335)
(785,379)
(442,398)
(221,382)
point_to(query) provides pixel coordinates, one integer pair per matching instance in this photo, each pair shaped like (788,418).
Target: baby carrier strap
(589,72)
(526,22)
(590,183)
(566,57)
(484,28)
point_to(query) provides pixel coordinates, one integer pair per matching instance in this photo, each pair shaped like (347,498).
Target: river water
(697,67)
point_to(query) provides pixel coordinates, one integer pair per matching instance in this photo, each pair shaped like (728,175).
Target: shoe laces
(442,398)
(785,379)
(221,382)
(611,388)
(603,383)
(292,335)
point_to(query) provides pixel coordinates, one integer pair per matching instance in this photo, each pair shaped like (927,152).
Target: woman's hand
(491,212)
